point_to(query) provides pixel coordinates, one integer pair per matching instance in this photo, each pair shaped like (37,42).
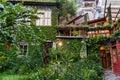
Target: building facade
(90,7)
(115,6)
(46,8)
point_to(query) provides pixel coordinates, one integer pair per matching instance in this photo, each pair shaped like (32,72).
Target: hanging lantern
(102,48)
(59,42)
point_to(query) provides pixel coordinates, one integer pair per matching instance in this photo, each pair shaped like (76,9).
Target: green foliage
(93,46)
(65,63)
(13,63)
(67,7)
(13,21)
(68,52)
(2,47)
(54,17)
(14,28)
(41,0)
(35,56)
(6,57)
(84,70)
(109,15)
(75,33)
(12,77)
(87,28)
(80,70)
(49,33)
(115,36)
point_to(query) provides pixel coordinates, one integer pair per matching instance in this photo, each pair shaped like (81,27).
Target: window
(45,18)
(114,55)
(24,48)
(89,4)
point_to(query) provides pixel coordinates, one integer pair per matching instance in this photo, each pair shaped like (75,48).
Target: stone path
(110,76)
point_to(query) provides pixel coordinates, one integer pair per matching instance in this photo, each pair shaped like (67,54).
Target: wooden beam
(72,21)
(115,8)
(115,17)
(80,16)
(117,14)
(34,3)
(114,12)
(70,32)
(97,20)
(105,7)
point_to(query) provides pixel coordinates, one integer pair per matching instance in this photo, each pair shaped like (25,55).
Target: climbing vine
(93,45)
(115,36)
(48,33)
(54,17)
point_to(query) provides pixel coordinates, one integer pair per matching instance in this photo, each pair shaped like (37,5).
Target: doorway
(105,58)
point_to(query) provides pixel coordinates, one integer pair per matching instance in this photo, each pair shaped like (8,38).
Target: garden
(65,62)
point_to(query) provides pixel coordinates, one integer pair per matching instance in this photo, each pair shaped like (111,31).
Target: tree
(67,7)
(17,23)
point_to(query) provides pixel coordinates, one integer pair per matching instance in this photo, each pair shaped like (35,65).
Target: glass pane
(37,22)
(46,14)
(46,22)
(49,14)
(41,22)
(49,21)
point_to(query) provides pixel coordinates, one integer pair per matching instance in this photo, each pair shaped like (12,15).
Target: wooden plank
(105,7)
(117,14)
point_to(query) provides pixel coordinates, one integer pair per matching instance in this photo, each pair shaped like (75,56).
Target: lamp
(102,48)
(59,42)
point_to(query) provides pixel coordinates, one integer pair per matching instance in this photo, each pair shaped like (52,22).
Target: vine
(115,36)
(49,33)
(93,45)
(109,15)
(54,17)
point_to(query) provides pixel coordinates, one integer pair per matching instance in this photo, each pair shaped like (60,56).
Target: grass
(11,77)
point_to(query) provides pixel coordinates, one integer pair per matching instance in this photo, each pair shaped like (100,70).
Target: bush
(81,70)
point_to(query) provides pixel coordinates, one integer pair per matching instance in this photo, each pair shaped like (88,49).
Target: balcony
(82,32)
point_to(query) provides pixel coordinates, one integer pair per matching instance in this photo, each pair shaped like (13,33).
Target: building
(115,7)
(88,6)
(49,18)
(44,7)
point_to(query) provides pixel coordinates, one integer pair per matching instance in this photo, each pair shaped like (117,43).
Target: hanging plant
(107,27)
(75,33)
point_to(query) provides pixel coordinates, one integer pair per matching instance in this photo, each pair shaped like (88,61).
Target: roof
(34,3)
(75,19)
(89,22)
(96,20)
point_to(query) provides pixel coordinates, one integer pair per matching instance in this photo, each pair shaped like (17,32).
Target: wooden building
(45,7)
(115,54)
